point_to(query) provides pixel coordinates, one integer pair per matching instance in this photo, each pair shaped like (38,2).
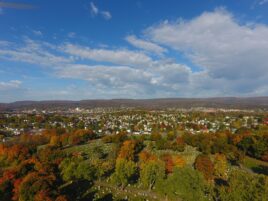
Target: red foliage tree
(169,164)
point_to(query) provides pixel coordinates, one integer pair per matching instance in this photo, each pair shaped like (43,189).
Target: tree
(246,143)
(171,135)
(265,156)
(180,144)
(15,190)
(204,165)
(204,144)
(6,184)
(145,156)
(161,144)
(55,140)
(220,143)
(185,184)
(156,137)
(85,171)
(129,149)
(243,187)
(84,134)
(220,166)
(151,172)
(259,148)
(61,198)
(104,168)
(42,195)
(76,169)
(178,161)
(68,168)
(169,164)
(124,170)
(33,183)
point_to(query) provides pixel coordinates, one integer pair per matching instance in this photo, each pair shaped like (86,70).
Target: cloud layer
(231,57)
(218,44)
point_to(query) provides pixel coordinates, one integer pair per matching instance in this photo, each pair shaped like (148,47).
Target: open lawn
(105,191)
(255,165)
(89,148)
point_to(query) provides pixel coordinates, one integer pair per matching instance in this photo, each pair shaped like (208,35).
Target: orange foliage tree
(204,165)
(127,150)
(144,157)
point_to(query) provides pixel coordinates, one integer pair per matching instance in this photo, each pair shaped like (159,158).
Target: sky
(106,49)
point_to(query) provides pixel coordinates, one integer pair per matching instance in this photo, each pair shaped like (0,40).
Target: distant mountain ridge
(159,103)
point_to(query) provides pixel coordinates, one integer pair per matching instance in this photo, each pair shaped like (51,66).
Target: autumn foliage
(172,161)
(204,165)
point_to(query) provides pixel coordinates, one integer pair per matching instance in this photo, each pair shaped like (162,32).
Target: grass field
(256,166)
(89,147)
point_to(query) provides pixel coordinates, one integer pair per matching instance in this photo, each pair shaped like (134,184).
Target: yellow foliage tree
(178,161)
(127,150)
(220,166)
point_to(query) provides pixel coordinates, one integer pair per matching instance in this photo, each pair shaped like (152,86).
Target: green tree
(244,187)
(76,169)
(68,168)
(184,183)
(85,171)
(124,170)
(151,172)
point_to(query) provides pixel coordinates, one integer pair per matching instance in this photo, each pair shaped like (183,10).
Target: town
(104,121)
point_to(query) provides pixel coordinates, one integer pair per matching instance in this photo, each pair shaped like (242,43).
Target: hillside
(226,102)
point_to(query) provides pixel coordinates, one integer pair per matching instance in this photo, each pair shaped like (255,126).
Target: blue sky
(79,49)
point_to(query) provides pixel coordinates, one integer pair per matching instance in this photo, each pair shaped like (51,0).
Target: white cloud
(71,34)
(4,43)
(37,32)
(93,9)
(33,52)
(106,15)
(145,45)
(219,44)
(115,76)
(163,79)
(121,57)
(263,2)
(13,84)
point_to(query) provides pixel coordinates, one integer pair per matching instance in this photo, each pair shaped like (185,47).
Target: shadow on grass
(107,197)
(261,169)
(77,189)
(221,182)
